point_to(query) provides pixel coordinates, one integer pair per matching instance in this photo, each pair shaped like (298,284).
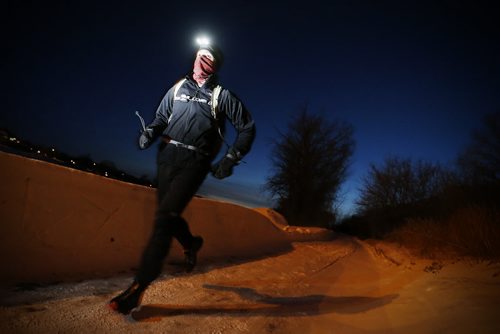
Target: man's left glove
(224,167)
(146,138)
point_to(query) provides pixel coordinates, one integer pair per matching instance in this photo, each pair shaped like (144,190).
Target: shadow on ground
(26,293)
(266,305)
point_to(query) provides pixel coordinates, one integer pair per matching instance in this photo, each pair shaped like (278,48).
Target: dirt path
(342,286)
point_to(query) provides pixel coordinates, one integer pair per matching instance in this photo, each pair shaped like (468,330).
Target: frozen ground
(340,286)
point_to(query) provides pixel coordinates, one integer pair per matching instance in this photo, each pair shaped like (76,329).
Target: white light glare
(202,40)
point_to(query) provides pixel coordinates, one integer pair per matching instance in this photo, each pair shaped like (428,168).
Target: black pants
(180,173)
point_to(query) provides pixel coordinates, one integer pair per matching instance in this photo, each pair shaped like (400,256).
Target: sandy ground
(340,286)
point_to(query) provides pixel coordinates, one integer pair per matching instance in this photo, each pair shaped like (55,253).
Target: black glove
(146,138)
(223,168)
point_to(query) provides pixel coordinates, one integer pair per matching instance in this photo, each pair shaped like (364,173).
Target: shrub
(473,231)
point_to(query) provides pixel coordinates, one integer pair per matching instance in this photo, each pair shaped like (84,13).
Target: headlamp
(203,41)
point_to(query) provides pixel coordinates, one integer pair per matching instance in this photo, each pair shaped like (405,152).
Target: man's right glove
(224,167)
(146,138)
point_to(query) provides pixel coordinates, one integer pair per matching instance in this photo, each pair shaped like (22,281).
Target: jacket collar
(210,83)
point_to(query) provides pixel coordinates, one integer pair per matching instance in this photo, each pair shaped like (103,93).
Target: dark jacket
(188,118)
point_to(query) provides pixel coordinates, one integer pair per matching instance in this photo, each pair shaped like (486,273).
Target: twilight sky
(413,77)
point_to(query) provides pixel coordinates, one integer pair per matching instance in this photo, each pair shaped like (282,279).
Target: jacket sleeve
(162,114)
(242,121)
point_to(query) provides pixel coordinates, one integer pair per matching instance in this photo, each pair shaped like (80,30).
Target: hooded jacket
(187,118)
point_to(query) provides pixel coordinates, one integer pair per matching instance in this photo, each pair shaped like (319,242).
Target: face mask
(203,68)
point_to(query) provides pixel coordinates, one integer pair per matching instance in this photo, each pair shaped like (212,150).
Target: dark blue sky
(413,77)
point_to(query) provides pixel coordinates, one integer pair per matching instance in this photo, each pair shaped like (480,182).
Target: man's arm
(242,121)
(159,123)
(162,114)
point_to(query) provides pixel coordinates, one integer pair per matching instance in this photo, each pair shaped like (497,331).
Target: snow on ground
(339,286)
(256,274)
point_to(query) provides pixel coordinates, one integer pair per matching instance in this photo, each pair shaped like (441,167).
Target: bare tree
(310,163)
(479,163)
(400,182)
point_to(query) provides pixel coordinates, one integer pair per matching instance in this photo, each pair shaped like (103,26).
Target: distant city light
(58,157)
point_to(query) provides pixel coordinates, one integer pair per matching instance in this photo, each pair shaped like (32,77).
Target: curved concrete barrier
(296,233)
(59,223)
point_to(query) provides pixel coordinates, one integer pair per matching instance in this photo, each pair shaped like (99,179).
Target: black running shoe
(190,254)
(128,299)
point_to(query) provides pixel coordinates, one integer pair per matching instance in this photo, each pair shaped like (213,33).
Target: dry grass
(468,232)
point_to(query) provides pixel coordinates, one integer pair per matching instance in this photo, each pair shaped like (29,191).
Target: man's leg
(190,180)
(155,251)
(163,230)
(175,189)
(181,190)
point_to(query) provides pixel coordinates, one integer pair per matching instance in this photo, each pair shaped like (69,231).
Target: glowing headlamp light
(203,41)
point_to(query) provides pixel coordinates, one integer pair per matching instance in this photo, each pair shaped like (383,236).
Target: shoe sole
(113,306)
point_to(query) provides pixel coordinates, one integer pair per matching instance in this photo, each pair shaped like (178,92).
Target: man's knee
(166,217)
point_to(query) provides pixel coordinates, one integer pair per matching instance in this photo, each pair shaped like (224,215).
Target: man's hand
(146,138)
(223,168)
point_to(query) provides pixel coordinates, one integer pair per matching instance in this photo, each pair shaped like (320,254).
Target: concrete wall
(57,223)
